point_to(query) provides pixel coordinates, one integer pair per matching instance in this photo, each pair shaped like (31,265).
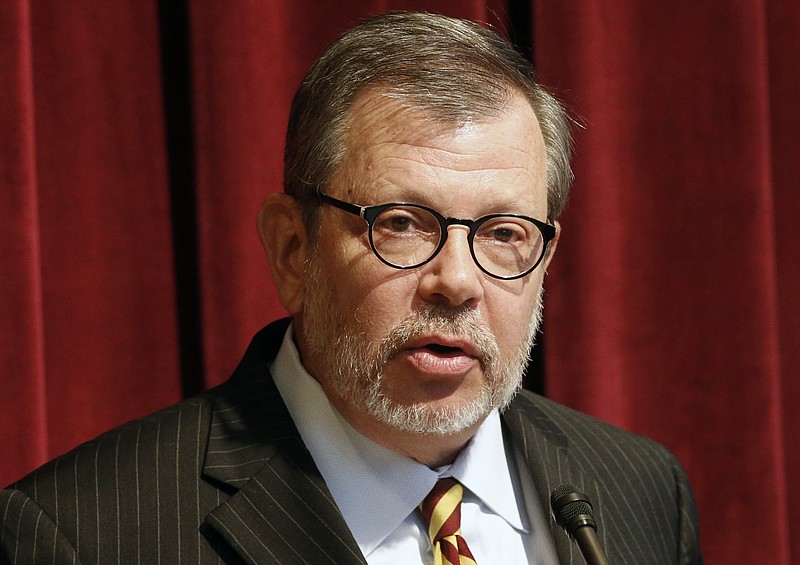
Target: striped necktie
(441,511)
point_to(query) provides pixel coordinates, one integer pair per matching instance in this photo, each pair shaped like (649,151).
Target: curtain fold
(23,434)
(672,303)
(783,49)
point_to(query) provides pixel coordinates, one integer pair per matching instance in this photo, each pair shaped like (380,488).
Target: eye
(398,223)
(405,220)
(504,230)
(504,234)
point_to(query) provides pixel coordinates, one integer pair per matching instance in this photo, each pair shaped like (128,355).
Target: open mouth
(442,349)
(441,355)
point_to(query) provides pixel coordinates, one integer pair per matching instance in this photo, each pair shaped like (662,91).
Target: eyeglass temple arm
(346,206)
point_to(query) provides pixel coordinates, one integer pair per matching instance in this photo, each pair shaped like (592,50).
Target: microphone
(572,510)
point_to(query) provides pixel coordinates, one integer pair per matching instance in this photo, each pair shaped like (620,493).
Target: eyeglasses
(405,236)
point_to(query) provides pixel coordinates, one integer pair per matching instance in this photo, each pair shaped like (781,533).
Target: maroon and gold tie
(441,511)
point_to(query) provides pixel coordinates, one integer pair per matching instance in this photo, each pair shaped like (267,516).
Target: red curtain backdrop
(137,140)
(674,298)
(87,297)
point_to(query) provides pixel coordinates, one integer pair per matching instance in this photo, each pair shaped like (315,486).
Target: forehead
(393,151)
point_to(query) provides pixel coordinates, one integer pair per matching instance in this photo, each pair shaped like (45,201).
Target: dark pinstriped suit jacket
(225,478)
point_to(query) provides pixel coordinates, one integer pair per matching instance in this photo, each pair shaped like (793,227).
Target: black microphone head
(571,508)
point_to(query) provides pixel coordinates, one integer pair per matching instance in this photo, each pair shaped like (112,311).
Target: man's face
(432,349)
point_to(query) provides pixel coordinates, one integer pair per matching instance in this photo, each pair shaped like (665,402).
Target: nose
(452,278)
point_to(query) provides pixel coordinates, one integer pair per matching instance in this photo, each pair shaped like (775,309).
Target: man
(424,172)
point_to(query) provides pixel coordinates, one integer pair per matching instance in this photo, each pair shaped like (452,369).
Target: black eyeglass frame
(370,213)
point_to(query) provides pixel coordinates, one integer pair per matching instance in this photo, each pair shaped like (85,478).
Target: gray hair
(453,70)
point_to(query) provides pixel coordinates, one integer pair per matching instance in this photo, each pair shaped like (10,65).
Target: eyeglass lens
(407,236)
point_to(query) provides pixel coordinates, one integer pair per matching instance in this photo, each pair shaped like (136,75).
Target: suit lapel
(545,449)
(279,509)
(285,514)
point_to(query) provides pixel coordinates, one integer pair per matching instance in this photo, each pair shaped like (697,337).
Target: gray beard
(355,363)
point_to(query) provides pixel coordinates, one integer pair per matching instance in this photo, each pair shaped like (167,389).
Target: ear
(551,247)
(283,236)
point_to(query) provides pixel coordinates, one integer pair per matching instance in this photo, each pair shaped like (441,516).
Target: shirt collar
(483,468)
(359,472)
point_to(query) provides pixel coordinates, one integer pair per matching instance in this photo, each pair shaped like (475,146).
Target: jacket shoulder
(160,436)
(566,426)
(153,440)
